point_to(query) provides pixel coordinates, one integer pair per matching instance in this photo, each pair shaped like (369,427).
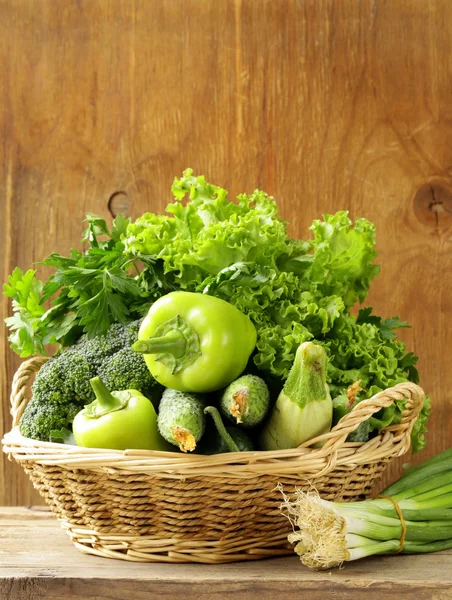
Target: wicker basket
(149,506)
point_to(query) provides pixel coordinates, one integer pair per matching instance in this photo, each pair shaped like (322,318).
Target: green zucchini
(181,420)
(304,408)
(246,401)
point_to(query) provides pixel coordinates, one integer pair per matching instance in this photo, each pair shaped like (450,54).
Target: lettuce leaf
(343,255)
(365,352)
(209,233)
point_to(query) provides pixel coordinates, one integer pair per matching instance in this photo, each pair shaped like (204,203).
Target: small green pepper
(194,342)
(118,420)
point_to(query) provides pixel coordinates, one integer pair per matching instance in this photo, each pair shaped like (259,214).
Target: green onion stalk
(411,516)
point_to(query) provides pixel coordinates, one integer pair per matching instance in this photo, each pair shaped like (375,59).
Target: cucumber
(224,439)
(181,420)
(246,401)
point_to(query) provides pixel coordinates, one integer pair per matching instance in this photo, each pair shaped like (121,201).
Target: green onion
(328,534)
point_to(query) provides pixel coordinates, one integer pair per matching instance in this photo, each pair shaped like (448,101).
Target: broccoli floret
(40,418)
(126,370)
(64,378)
(97,349)
(122,336)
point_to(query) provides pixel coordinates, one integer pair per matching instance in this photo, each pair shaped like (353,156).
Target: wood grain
(327,104)
(38,561)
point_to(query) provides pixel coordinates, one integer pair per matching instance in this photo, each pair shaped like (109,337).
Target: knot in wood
(433,204)
(119,203)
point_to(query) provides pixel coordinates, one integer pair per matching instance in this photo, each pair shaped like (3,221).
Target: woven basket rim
(392,441)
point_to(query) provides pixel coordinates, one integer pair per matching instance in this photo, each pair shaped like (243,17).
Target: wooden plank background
(327,104)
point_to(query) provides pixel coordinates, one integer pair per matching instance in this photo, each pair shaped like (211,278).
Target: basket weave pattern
(161,506)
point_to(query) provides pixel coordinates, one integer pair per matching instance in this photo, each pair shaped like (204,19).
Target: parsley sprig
(88,291)
(386,326)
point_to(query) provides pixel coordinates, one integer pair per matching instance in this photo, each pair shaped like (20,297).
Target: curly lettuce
(292,290)
(369,352)
(343,257)
(209,233)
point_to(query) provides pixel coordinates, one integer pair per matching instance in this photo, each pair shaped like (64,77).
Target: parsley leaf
(25,324)
(386,326)
(87,292)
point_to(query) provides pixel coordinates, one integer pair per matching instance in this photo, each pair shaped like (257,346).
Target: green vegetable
(342,405)
(228,439)
(60,389)
(195,343)
(98,348)
(361,433)
(40,419)
(292,290)
(119,420)
(330,533)
(181,419)
(359,350)
(88,291)
(125,370)
(304,407)
(65,378)
(246,400)
(242,252)
(30,329)
(62,436)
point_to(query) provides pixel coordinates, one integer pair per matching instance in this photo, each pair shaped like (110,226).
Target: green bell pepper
(118,420)
(195,343)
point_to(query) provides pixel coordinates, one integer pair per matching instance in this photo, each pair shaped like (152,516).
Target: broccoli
(40,418)
(97,349)
(64,378)
(62,384)
(126,370)
(121,336)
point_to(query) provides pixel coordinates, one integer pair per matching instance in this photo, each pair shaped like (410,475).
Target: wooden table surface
(38,561)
